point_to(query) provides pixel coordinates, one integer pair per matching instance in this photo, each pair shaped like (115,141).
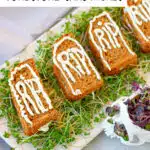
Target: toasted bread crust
(66,90)
(65,87)
(145,46)
(123,62)
(145,28)
(126,62)
(132,2)
(39,120)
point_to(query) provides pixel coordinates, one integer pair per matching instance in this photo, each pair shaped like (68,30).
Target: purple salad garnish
(135,86)
(111,111)
(121,131)
(139,109)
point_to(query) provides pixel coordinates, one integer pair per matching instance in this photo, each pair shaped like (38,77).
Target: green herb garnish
(6,134)
(77,117)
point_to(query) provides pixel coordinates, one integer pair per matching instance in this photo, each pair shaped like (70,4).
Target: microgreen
(77,117)
(6,134)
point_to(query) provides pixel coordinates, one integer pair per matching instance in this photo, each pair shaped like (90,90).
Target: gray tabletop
(33,21)
(3,145)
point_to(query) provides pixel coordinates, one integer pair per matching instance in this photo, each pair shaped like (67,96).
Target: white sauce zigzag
(79,56)
(21,88)
(112,31)
(140,14)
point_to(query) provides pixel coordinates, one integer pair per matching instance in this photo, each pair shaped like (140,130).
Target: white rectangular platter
(28,52)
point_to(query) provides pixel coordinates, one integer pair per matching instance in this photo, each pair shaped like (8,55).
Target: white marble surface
(102,142)
(20,26)
(3,145)
(25,24)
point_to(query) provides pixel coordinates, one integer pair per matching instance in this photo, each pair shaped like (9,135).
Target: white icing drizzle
(139,14)
(44,128)
(112,31)
(135,1)
(20,90)
(79,57)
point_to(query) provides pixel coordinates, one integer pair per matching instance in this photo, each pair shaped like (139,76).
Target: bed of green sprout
(77,117)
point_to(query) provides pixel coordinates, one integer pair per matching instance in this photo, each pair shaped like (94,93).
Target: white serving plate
(28,52)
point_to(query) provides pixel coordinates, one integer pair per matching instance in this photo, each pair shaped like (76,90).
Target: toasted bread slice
(137,17)
(73,69)
(109,46)
(29,98)
(133,2)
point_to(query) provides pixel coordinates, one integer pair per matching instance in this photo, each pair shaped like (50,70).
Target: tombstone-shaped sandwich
(73,69)
(132,2)
(31,101)
(108,45)
(137,17)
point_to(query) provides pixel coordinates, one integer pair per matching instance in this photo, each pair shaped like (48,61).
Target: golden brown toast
(73,69)
(109,46)
(133,2)
(30,98)
(137,17)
